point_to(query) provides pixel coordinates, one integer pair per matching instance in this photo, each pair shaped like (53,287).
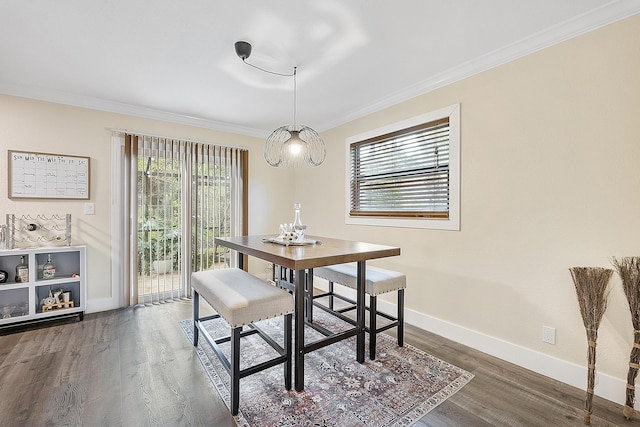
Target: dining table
(301,258)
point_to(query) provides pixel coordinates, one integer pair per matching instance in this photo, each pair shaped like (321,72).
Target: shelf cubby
(28,301)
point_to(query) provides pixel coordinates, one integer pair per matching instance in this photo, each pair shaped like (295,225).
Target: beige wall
(53,128)
(550,179)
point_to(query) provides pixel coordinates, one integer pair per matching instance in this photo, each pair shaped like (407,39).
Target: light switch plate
(89,208)
(549,334)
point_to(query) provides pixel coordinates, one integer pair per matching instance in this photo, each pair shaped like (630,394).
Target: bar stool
(242,299)
(378,281)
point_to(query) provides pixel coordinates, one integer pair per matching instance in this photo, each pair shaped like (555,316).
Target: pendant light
(290,145)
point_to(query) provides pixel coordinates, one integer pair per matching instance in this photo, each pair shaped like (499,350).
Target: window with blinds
(402,174)
(407,171)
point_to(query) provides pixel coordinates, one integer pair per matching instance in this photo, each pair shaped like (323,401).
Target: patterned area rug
(396,389)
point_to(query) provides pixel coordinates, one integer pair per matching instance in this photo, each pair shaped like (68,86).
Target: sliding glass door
(180,195)
(160,249)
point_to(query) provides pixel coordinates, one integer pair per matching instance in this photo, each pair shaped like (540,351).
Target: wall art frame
(36,175)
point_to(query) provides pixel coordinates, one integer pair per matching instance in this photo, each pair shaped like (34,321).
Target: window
(406,174)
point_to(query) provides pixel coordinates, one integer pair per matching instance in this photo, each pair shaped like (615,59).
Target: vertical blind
(182,194)
(402,174)
(218,199)
(160,218)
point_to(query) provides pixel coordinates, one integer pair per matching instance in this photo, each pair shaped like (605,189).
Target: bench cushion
(239,297)
(379,280)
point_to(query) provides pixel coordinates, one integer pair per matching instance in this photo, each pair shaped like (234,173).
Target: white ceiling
(175,60)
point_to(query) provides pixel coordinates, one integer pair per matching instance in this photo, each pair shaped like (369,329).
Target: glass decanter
(22,271)
(297,226)
(48,269)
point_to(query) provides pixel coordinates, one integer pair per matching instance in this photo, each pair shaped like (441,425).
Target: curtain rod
(132,132)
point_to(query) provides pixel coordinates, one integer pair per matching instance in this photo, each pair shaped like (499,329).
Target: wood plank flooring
(134,367)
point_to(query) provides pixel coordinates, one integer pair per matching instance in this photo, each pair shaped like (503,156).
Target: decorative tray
(283,242)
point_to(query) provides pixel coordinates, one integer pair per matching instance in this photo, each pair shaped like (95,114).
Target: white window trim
(453,222)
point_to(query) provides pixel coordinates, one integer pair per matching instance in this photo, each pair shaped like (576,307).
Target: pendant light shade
(289,145)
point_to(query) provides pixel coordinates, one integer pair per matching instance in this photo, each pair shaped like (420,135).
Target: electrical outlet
(549,334)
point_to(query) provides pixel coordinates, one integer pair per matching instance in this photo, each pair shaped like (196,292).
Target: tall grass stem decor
(628,269)
(593,292)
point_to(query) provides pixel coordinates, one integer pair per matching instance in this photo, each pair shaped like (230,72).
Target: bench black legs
(400,330)
(372,328)
(235,370)
(196,317)
(232,365)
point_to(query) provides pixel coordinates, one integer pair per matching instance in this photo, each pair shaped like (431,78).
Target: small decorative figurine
(290,236)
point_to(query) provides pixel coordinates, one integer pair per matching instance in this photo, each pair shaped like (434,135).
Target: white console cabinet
(30,301)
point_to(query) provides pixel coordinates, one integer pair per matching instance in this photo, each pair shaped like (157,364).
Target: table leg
(360,310)
(299,329)
(309,296)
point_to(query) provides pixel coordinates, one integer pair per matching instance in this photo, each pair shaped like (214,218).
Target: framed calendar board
(48,176)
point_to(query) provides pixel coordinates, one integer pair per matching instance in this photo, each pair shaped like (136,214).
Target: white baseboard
(101,304)
(607,387)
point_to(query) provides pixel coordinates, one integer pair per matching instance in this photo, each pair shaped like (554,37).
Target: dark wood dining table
(302,259)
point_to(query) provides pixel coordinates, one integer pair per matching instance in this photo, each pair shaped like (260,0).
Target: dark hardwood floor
(135,367)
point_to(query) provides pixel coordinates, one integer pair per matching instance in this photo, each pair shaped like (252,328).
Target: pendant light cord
(270,72)
(295,72)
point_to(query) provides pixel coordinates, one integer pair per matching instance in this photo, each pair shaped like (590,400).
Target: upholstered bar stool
(242,299)
(378,281)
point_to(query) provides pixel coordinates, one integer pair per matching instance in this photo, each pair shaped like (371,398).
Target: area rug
(397,389)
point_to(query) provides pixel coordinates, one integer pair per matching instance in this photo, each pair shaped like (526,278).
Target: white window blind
(402,174)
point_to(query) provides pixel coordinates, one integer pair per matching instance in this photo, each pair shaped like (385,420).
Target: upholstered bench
(378,281)
(242,299)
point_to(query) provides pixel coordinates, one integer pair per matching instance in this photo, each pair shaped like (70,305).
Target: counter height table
(302,260)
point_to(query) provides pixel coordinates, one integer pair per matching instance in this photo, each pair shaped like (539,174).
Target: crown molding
(75,100)
(606,14)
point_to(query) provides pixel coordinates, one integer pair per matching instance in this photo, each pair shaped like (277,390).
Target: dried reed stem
(592,291)
(628,269)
